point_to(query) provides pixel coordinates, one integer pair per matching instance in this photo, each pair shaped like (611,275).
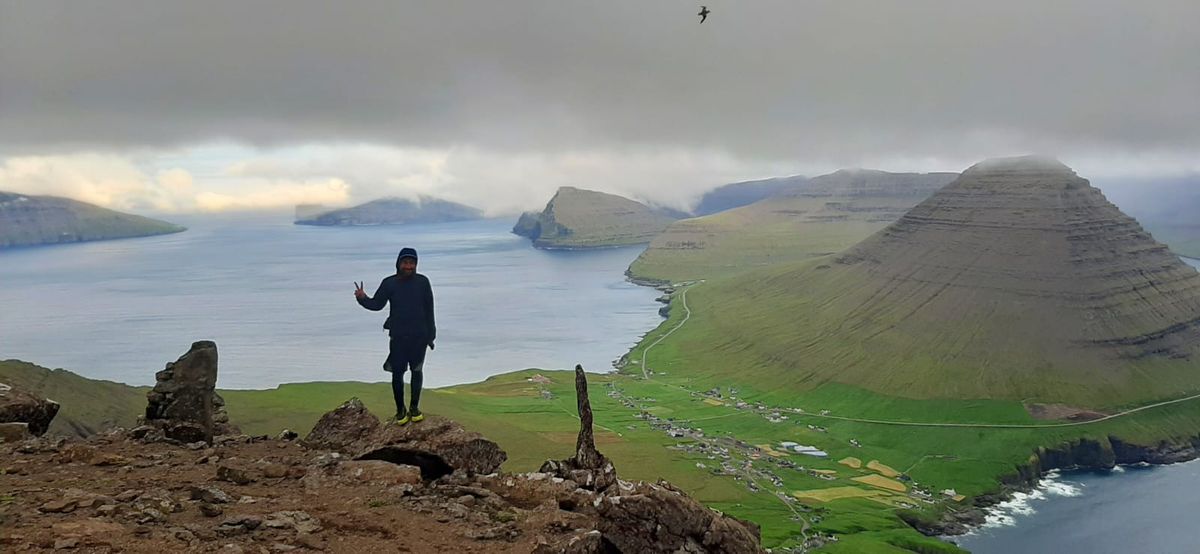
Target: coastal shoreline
(1082,455)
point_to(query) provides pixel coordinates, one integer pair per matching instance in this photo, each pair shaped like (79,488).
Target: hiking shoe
(400,419)
(416,415)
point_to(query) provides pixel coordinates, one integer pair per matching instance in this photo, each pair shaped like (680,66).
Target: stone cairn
(589,468)
(184,405)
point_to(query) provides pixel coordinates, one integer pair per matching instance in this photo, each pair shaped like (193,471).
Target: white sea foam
(1118,469)
(1024,504)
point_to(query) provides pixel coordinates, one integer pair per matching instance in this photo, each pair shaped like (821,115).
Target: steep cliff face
(577,218)
(32,220)
(390,211)
(1102,453)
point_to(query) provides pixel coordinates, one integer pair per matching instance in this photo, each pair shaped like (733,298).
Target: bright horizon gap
(228,177)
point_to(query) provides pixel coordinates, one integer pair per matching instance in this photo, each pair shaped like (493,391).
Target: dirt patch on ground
(122,496)
(1062,411)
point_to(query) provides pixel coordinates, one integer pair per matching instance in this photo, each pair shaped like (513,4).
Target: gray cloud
(836,82)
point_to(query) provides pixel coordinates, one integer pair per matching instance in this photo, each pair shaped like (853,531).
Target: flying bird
(703,13)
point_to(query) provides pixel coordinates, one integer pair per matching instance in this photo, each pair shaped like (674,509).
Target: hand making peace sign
(358,290)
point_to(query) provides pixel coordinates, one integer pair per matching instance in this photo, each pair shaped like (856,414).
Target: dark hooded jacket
(411,300)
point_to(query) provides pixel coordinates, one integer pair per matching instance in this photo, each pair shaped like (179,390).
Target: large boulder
(437,445)
(184,402)
(341,429)
(18,406)
(661,518)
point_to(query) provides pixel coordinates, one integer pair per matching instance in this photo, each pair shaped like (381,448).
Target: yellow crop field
(851,462)
(881,482)
(882,469)
(834,493)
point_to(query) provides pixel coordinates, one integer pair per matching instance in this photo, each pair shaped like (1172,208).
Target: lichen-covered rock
(18,406)
(347,425)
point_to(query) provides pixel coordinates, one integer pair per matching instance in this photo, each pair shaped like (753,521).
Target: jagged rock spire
(586,454)
(589,468)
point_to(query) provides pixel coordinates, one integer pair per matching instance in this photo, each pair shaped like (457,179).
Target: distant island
(388,211)
(34,220)
(578,218)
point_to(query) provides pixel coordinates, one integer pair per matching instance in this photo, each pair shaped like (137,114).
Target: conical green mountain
(1018,280)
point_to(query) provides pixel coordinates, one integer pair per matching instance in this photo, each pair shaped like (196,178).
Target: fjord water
(1134,509)
(278,300)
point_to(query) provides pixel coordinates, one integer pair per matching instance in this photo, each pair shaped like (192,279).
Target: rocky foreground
(353,484)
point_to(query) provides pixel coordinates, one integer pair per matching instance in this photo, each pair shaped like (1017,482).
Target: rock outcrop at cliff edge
(438,446)
(576,505)
(116,491)
(184,403)
(20,407)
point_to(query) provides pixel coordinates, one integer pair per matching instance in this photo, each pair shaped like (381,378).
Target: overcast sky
(173,106)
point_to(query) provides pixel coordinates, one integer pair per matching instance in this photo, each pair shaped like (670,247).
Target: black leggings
(406,354)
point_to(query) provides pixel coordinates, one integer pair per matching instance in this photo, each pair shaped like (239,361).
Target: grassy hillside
(810,218)
(32,220)
(701,356)
(793,328)
(86,405)
(772,231)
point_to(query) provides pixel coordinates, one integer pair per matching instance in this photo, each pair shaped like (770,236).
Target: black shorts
(406,353)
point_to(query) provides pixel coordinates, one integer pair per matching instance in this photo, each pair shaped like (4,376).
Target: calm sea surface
(1136,509)
(279,301)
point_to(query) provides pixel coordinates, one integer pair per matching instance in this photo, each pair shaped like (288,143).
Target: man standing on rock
(409,324)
